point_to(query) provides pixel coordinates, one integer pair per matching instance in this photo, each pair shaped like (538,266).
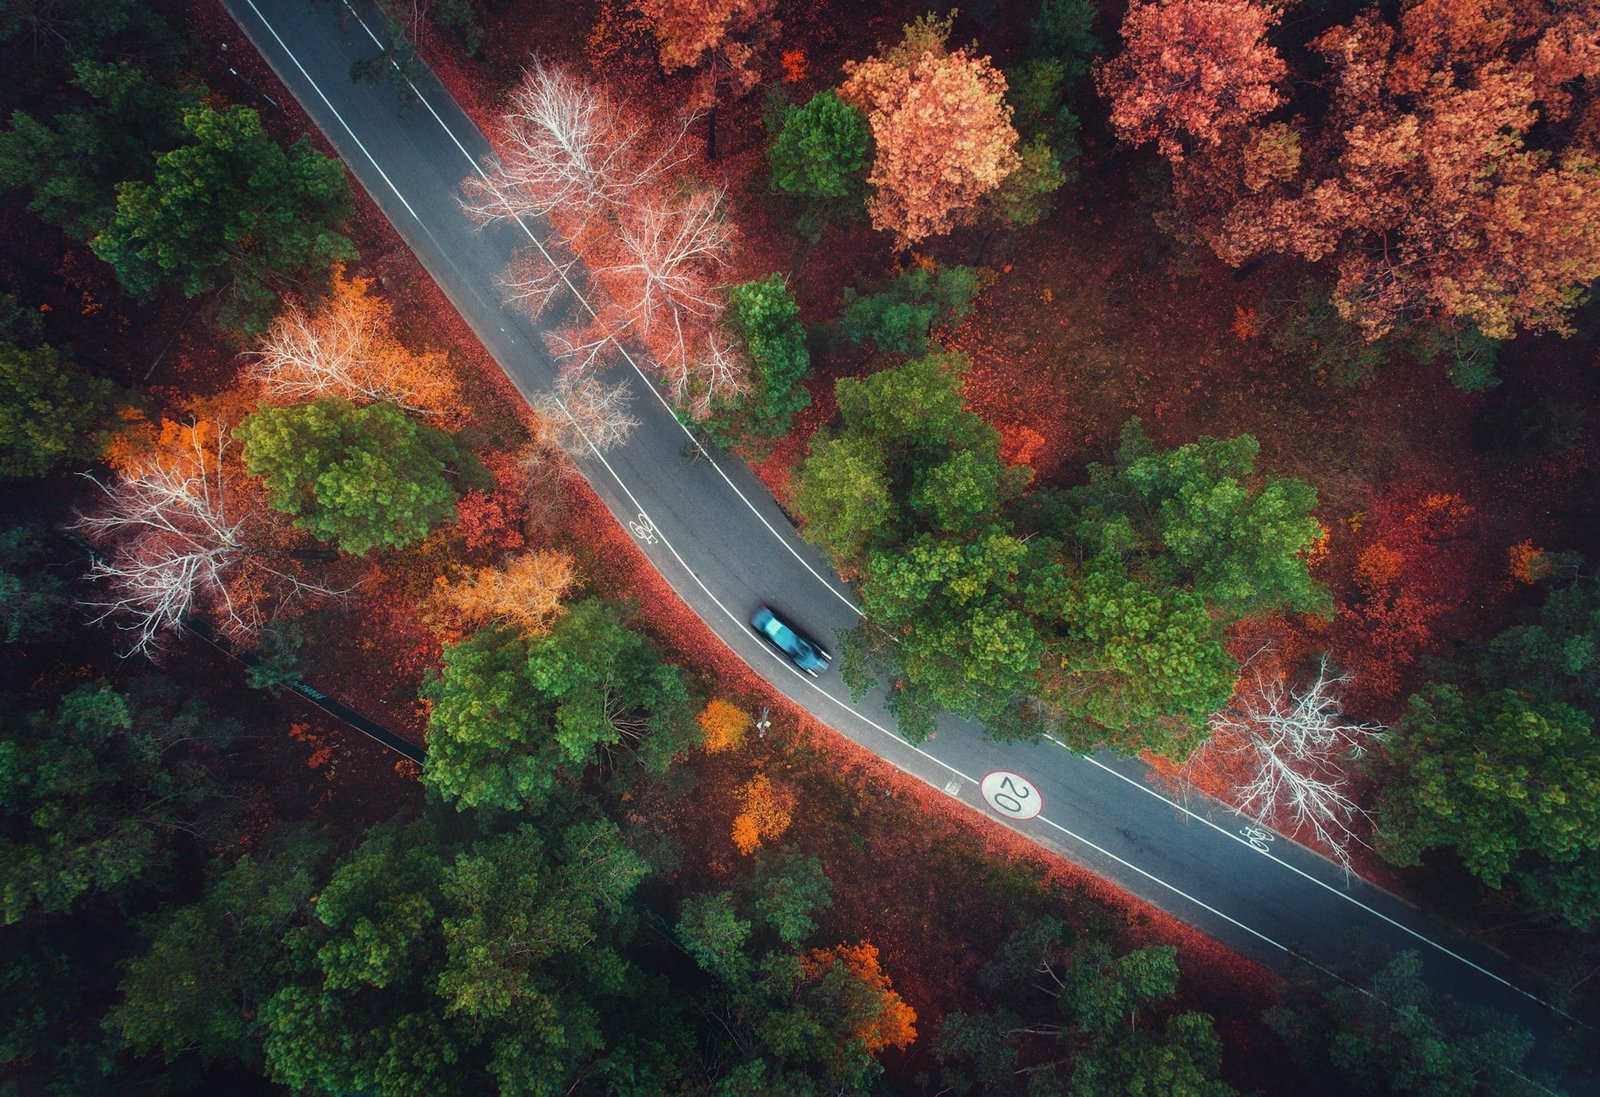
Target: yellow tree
(724,724)
(525,594)
(347,348)
(942,129)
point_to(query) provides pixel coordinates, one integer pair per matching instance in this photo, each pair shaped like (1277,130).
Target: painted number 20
(1012,795)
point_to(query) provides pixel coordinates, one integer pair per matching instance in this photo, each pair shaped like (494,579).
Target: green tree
(800,1024)
(789,888)
(96,790)
(1557,657)
(897,320)
(511,714)
(1063,32)
(1200,517)
(33,600)
(229,210)
(362,477)
(1099,1026)
(1144,662)
(491,964)
(764,316)
(72,165)
(1374,1027)
(1505,783)
(821,155)
(49,411)
(210,966)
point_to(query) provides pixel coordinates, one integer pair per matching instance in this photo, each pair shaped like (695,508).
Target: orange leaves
(764,813)
(1378,567)
(1245,326)
(526,594)
(1020,444)
(724,724)
(722,34)
(794,66)
(1526,563)
(942,129)
(889,1021)
(348,348)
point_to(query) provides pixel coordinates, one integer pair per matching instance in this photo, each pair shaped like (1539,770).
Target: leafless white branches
(582,412)
(644,250)
(1296,743)
(346,350)
(172,547)
(566,148)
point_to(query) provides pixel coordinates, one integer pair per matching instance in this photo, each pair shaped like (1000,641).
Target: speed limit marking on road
(1011,794)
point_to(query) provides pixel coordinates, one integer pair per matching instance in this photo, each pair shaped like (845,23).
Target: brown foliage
(719,37)
(942,129)
(526,594)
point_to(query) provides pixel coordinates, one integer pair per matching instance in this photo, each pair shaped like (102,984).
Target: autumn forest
(1207,388)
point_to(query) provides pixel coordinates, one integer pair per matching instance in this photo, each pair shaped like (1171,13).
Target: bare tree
(582,413)
(346,349)
(1296,745)
(174,548)
(566,148)
(644,254)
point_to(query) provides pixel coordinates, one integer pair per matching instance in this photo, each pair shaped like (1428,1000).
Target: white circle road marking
(1011,794)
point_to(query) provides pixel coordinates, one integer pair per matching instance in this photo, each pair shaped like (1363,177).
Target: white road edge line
(1346,896)
(900,740)
(648,383)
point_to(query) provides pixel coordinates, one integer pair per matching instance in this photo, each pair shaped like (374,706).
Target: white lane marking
(1346,896)
(627,357)
(804,680)
(314,87)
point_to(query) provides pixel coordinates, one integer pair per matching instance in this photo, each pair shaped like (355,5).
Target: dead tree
(1296,745)
(174,548)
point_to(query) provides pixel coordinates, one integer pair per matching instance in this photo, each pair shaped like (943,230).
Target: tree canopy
(362,477)
(229,211)
(1096,612)
(512,714)
(1099,1027)
(763,315)
(49,411)
(1374,1027)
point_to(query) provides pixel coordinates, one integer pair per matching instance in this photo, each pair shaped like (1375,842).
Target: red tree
(1424,168)
(942,129)
(1192,69)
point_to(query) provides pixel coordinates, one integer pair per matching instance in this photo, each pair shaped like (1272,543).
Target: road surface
(723,544)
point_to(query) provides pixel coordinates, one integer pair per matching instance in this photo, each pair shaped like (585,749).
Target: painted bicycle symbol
(1259,838)
(643,528)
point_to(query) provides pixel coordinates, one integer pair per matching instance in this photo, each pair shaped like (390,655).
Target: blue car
(803,651)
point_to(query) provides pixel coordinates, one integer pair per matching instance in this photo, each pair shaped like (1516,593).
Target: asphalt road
(705,521)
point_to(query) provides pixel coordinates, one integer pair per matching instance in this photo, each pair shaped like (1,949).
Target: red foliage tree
(719,38)
(942,128)
(1424,168)
(1192,69)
